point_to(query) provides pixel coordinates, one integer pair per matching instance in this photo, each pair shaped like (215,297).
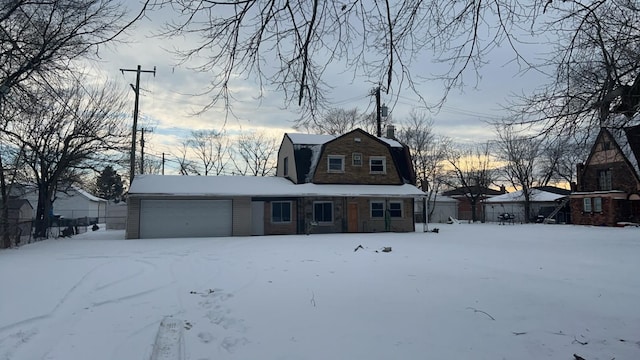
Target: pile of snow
(471,291)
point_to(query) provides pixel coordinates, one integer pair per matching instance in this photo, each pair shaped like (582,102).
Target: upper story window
(356,159)
(335,163)
(378,165)
(604,179)
(286,166)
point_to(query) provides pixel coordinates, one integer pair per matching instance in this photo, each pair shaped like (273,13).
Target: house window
(356,159)
(604,179)
(597,204)
(323,211)
(586,205)
(377,209)
(286,166)
(395,209)
(335,163)
(281,212)
(377,165)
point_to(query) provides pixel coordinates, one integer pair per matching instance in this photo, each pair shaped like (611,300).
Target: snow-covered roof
(309,139)
(517,196)
(257,186)
(314,139)
(88,196)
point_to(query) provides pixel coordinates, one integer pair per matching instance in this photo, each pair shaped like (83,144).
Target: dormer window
(377,165)
(335,163)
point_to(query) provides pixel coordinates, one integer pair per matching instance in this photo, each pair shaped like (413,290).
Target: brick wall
(346,146)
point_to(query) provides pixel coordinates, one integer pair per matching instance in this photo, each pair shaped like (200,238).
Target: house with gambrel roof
(324,184)
(608,183)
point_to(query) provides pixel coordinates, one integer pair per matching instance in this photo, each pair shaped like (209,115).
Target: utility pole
(136,90)
(378,113)
(142,149)
(380,110)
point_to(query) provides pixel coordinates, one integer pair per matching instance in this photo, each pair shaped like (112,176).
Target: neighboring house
(324,184)
(440,210)
(608,183)
(116,216)
(464,204)
(74,203)
(545,201)
(20,217)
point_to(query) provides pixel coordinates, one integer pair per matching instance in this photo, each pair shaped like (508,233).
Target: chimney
(391,132)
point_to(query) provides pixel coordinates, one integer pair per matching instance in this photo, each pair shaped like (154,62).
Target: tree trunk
(43,212)
(4,217)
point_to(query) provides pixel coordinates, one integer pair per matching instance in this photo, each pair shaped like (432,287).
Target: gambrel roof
(309,147)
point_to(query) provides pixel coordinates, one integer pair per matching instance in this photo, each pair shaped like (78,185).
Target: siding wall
(241,216)
(133,218)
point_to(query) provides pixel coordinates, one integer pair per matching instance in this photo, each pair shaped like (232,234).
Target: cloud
(169,104)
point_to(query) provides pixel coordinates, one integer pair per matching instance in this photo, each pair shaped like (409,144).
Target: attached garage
(174,206)
(169,218)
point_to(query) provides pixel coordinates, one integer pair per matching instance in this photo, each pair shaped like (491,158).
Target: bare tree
(521,156)
(152,165)
(186,166)
(256,152)
(335,121)
(293,45)
(64,133)
(428,153)
(210,147)
(596,69)
(561,154)
(472,171)
(39,38)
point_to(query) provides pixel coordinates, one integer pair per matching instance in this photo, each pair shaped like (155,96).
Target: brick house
(324,184)
(356,159)
(607,191)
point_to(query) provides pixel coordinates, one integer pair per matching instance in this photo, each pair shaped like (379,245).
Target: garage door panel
(185,218)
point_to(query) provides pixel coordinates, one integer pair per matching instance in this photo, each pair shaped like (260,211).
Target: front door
(352,217)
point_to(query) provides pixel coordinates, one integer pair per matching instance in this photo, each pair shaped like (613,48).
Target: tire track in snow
(72,307)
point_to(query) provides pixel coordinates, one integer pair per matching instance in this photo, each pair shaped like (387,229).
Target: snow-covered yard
(471,291)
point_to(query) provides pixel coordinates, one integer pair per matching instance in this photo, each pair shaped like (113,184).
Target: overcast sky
(167,100)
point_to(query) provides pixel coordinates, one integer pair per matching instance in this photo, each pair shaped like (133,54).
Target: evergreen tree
(109,185)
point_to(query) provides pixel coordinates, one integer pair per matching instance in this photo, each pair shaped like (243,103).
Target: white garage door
(185,218)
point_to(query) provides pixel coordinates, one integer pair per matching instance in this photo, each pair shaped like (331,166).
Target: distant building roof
(475,190)
(537,195)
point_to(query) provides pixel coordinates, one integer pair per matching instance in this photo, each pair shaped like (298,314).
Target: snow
(257,186)
(518,196)
(309,139)
(471,291)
